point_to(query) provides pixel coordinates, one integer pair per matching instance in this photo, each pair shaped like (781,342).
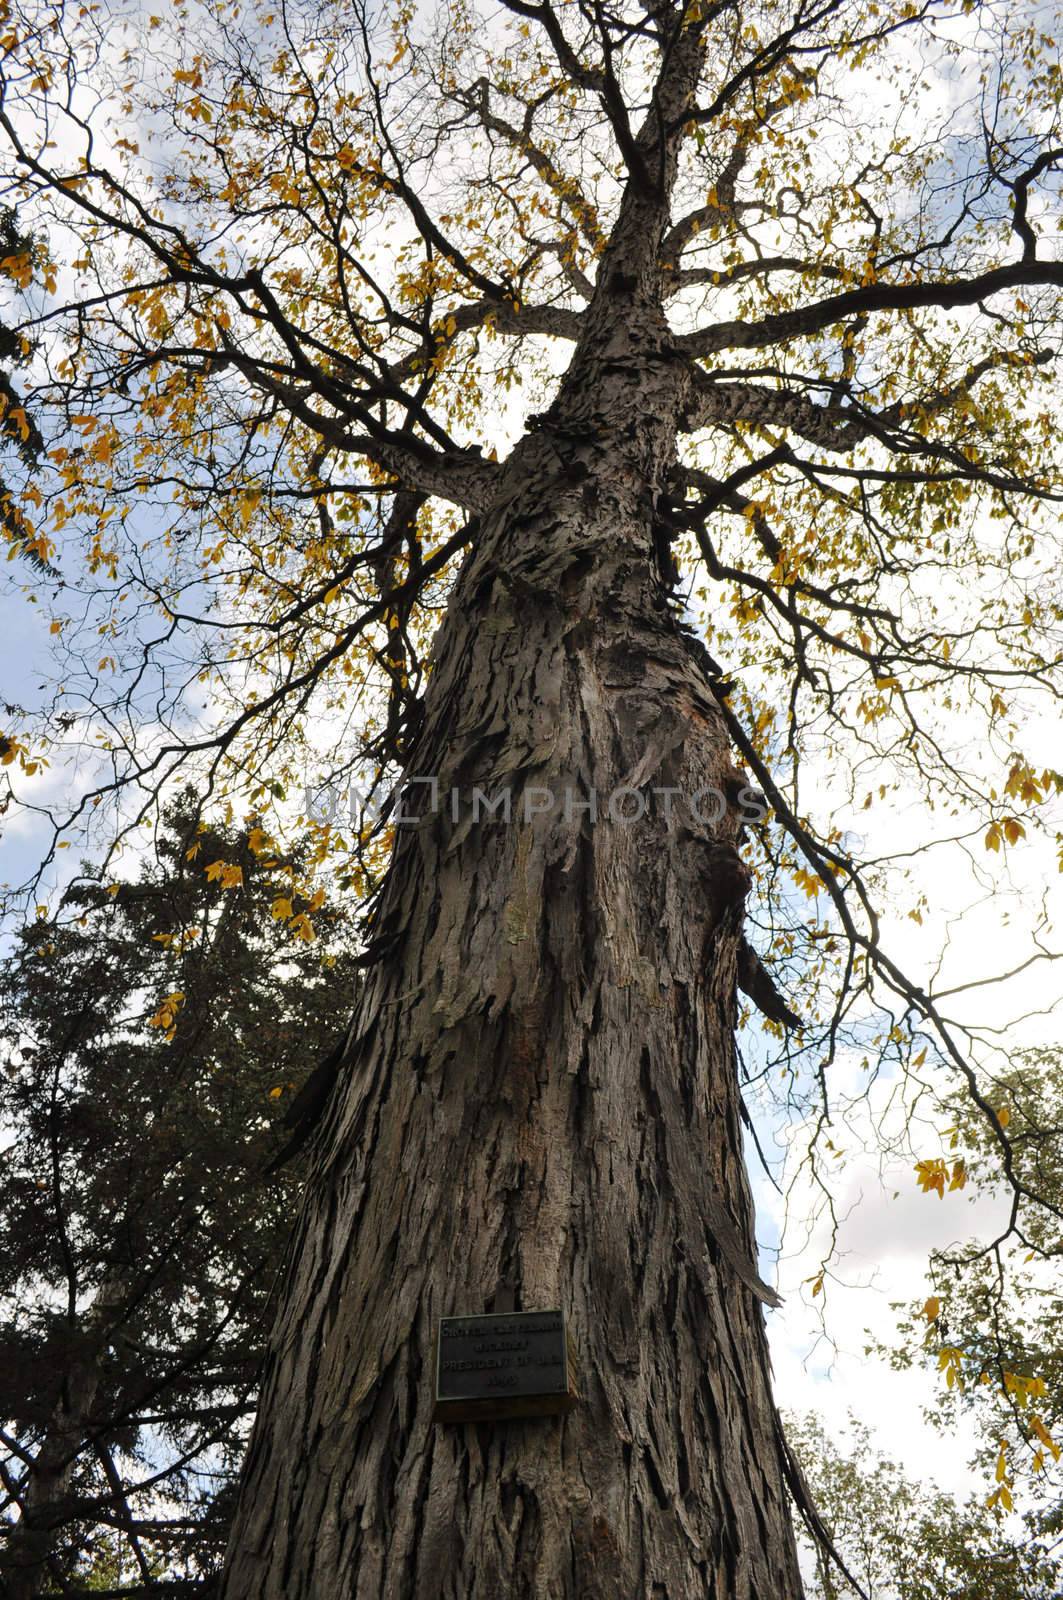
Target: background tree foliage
(153,1029)
(903,1541)
(990,1328)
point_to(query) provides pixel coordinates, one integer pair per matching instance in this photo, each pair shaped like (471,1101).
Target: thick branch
(830,427)
(722,210)
(784,325)
(555,322)
(840,428)
(599,80)
(758,267)
(462,477)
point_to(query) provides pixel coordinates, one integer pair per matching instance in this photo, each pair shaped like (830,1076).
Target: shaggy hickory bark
(539,1104)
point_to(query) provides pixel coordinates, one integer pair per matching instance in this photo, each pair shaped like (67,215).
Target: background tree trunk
(44,1509)
(540,1103)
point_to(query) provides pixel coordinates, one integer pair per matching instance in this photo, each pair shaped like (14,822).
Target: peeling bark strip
(539,1105)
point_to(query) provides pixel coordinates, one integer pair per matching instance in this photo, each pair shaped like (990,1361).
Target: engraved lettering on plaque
(511,1364)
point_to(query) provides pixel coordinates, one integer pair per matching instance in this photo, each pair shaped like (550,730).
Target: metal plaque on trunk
(512,1364)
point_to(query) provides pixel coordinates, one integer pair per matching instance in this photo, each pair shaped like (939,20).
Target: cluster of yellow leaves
(1024,784)
(299,924)
(746,611)
(10,748)
(14,749)
(166,1016)
(229,875)
(15,418)
(20,269)
(1046,1441)
(1020,1389)
(808,881)
(1031,788)
(181,940)
(1010,830)
(37,544)
(933,1176)
(21,534)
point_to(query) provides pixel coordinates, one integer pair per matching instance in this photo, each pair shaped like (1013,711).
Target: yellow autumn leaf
(17,416)
(1042,1433)
(1002,1462)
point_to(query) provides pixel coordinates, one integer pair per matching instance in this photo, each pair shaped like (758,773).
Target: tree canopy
(289,282)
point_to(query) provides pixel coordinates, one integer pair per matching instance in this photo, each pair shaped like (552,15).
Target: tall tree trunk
(540,1104)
